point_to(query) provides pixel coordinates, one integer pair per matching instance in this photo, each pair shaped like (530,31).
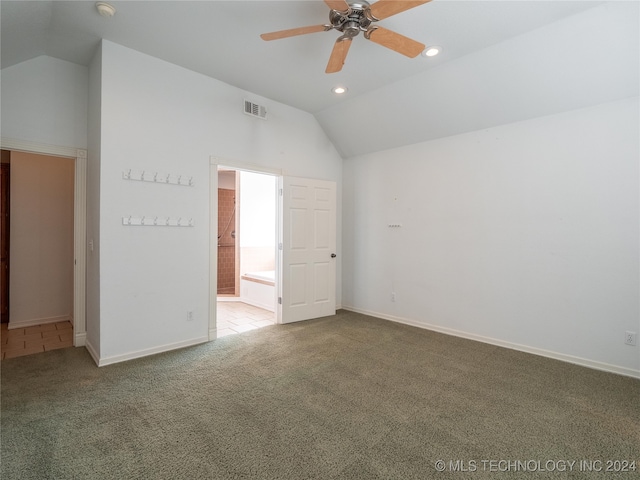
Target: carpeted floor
(344,397)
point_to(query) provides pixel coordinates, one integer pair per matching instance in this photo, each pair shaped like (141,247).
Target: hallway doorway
(38,222)
(78,159)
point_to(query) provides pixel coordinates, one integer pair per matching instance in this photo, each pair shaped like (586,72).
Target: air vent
(255,110)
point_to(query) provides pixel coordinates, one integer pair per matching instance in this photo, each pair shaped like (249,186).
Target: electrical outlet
(189,316)
(630,338)
(393,296)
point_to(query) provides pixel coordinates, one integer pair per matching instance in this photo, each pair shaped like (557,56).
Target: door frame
(79,223)
(214,162)
(6,235)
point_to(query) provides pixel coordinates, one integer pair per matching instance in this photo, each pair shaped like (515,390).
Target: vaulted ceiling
(488,57)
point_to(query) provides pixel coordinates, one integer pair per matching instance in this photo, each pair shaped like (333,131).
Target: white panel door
(308,249)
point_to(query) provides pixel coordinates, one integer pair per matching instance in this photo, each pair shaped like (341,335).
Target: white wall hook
(156,177)
(156,221)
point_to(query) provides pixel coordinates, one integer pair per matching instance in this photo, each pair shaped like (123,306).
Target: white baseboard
(629,372)
(92,351)
(149,351)
(262,305)
(80,339)
(38,321)
(228,299)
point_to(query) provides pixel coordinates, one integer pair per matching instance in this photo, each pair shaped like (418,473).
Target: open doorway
(79,157)
(246,251)
(38,291)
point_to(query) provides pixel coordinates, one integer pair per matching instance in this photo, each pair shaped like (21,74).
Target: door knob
(333,255)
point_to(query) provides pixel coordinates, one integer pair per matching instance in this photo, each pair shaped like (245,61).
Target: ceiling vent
(255,110)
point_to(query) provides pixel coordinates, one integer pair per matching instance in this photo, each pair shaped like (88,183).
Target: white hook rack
(144,221)
(157,177)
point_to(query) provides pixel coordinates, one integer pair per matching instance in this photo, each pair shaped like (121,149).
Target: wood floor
(18,342)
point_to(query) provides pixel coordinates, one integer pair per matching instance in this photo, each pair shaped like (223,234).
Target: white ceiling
(221,39)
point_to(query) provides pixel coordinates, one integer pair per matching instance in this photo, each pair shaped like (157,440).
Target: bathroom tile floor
(18,342)
(238,317)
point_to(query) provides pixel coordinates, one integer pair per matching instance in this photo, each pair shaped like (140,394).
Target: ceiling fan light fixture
(339,90)
(105,9)
(432,51)
(350,17)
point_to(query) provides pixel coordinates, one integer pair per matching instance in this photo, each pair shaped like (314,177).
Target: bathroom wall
(226,241)
(257,259)
(257,222)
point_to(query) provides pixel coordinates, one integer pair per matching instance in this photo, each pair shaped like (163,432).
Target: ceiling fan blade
(395,41)
(385,8)
(339,5)
(292,32)
(338,55)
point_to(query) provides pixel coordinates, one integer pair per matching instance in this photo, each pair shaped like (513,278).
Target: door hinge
(280,246)
(280,192)
(279,300)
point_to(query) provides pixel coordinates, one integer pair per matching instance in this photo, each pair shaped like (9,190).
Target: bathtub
(259,289)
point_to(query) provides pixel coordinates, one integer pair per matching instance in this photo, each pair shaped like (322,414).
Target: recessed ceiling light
(339,90)
(432,51)
(105,9)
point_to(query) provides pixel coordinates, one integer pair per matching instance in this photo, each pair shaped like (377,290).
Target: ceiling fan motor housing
(355,20)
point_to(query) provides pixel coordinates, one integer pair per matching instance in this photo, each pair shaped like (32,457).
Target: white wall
(160,117)
(41,275)
(94,129)
(44,100)
(524,235)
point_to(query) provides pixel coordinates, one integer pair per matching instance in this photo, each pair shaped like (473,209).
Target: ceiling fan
(354,16)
